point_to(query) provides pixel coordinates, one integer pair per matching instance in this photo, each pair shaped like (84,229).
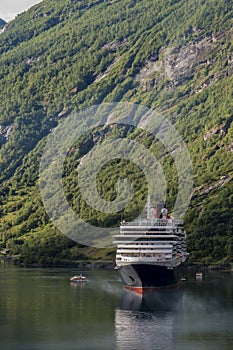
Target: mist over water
(40,309)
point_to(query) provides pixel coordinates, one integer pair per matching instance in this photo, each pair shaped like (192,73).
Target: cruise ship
(151,252)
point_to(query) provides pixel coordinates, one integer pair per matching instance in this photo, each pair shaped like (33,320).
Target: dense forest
(61,56)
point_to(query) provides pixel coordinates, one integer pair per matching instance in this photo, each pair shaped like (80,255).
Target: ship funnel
(154,211)
(159,208)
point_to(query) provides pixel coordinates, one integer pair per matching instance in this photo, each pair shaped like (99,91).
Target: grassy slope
(62,56)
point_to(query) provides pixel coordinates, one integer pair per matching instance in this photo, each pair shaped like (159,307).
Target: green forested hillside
(63,55)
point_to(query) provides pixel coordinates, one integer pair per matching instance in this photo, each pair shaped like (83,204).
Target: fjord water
(40,309)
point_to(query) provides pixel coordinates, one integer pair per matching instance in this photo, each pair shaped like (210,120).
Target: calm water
(40,309)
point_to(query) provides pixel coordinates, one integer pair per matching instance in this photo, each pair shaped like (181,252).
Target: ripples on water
(40,309)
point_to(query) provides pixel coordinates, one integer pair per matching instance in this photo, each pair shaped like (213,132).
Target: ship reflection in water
(148,321)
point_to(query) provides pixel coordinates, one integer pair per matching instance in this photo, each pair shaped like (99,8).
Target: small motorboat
(199,276)
(78,278)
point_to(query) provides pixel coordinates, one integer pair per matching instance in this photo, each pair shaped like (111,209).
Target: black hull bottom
(143,278)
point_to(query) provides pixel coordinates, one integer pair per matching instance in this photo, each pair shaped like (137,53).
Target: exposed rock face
(202,190)
(104,74)
(30,61)
(113,45)
(221,129)
(5,133)
(179,64)
(176,65)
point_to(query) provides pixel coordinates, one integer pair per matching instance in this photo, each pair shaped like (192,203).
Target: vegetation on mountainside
(62,56)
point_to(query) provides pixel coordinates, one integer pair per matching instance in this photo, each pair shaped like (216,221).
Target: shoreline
(109,265)
(87,264)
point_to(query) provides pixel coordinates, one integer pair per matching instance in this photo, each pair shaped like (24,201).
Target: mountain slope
(62,56)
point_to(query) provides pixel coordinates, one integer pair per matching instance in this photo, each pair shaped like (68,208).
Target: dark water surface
(40,309)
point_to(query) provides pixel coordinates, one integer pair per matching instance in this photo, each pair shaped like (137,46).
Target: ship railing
(153,223)
(141,259)
(147,232)
(169,263)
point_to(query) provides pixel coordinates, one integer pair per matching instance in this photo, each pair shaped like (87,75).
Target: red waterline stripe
(144,290)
